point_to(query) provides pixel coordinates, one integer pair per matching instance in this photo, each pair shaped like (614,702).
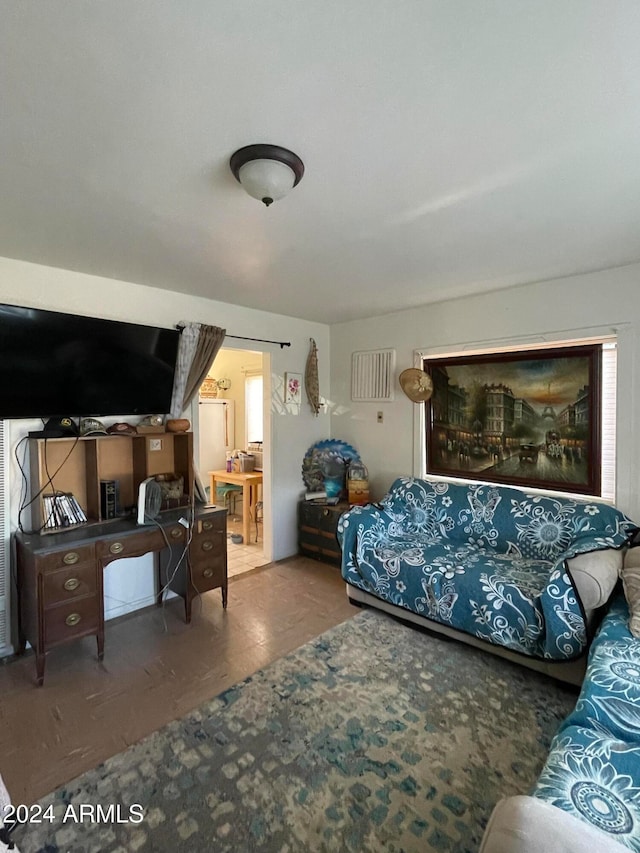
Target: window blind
(253,408)
(609,385)
(4,540)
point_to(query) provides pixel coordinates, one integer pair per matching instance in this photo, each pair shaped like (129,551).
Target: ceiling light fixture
(267,172)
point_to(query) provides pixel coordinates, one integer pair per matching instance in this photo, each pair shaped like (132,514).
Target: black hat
(59,427)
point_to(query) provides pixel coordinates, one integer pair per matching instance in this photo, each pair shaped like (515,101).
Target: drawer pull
(176,532)
(207,525)
(71,558)
(325,512)
(116,548)
(71,583)
(73,619)
(207,545)
(208,573)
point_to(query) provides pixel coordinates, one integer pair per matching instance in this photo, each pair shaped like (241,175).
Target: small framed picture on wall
(293,388)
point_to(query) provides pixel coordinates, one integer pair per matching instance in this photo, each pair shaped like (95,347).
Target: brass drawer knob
(207,545)
(176,532)
(207,525)
(208,573)
(71,558)
(71,583)
(73,619)
(116,548)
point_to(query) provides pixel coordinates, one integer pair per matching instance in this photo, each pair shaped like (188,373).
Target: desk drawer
(134,546)
(73,619)
(209,574)
(66,584)
(207,545)
(217,522)
(68,557)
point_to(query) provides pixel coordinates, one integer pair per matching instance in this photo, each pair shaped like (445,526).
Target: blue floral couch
(488,561)
(587,797)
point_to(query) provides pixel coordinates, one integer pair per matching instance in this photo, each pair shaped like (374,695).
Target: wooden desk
(249,482)
(60,589)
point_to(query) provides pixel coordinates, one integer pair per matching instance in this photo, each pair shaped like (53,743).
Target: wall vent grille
(5,540)
(372,375)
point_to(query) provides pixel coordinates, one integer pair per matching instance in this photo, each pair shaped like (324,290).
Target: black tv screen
(54,364)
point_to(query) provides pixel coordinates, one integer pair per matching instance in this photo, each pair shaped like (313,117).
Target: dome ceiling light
(267,172)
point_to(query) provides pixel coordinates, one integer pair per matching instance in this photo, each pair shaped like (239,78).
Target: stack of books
(62,510)
(315,496)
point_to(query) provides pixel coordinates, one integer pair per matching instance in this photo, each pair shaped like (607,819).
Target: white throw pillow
(595,575)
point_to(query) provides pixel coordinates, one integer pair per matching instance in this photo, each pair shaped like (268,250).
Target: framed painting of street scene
(521,418)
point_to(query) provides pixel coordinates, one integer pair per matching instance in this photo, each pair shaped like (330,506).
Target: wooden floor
(155,669)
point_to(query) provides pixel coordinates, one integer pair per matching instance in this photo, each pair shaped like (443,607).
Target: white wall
(562,309)
(76,293)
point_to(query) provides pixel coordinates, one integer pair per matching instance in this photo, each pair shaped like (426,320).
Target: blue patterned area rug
(373,737)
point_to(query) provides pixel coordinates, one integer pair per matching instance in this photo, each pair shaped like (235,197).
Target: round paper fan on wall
(416,384)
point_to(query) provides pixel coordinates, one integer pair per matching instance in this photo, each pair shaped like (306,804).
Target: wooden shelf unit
(77,464)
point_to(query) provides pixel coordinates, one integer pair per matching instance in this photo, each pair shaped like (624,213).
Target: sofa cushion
(503,519)
(528,825)
(593,767)
(609,701)
(631,584)
(505,599)
(595,575)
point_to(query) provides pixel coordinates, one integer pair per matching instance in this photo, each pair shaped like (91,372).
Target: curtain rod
(260,340)
(180,327)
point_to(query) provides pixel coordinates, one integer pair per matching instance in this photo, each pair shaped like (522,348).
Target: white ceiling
(451,146)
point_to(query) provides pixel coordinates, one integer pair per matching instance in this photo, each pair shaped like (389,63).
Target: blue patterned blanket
(593,768)
(487,560)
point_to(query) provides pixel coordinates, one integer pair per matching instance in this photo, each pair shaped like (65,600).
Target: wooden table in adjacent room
(249,481)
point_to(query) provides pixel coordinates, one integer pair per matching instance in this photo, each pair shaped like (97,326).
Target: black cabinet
(317,528)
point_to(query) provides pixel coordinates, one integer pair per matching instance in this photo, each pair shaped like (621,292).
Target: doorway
(232,418)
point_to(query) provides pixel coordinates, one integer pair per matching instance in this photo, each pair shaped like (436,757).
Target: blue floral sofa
(587,797)
(486,563)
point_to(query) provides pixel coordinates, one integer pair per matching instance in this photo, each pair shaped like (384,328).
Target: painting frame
(293,388)
(523,418)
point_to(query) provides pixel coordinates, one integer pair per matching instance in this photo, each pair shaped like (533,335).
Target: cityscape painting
(522,418)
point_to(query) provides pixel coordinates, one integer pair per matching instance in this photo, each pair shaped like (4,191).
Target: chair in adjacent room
(258,516)
(228,493)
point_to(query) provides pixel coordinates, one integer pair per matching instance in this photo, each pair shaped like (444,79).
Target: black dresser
(317,528)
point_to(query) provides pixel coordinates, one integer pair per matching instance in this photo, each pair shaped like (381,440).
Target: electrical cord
(192,521)
(171,574)
(24,504)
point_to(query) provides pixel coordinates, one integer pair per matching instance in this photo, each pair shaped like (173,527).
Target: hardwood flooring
(155,669)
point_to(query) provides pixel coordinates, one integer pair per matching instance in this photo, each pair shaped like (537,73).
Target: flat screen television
(54,364)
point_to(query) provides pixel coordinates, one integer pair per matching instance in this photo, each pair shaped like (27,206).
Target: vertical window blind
(253,408)
(4,539)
